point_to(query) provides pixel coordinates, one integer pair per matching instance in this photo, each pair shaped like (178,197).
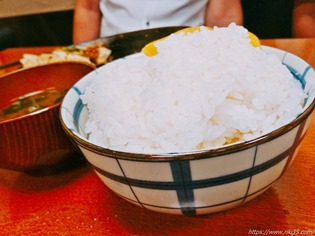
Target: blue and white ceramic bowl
(198,182)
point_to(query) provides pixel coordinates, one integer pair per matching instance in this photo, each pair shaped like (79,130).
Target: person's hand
(303,22)
(223,12)
(86,22)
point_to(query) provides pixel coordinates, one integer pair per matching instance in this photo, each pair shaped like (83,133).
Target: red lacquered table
(76,202)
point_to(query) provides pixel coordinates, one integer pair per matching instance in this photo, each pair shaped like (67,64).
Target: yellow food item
(151,50)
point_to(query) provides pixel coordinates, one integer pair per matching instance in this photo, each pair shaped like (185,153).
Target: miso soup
(32,102)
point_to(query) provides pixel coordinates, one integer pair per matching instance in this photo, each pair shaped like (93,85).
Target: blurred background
(35,22)
(26,23)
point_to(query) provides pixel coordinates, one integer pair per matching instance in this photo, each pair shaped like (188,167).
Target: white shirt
(129,15)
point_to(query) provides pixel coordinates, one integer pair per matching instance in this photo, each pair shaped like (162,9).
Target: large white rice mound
(201,91)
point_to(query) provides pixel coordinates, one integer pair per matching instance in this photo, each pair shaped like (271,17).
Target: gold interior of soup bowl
(33,82)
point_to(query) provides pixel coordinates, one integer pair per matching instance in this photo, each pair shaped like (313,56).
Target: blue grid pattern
(184,185)
(182,181)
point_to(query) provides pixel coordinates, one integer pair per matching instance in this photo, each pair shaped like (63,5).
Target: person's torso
(123,16)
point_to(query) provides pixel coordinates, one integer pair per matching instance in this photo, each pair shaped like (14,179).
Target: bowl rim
(21,69)
(196,154)
(56,105)
(215,152)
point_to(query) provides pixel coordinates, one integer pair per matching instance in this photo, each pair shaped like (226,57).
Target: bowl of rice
(206,124)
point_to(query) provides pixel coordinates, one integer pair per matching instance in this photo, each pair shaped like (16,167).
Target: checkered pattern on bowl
(198,182)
